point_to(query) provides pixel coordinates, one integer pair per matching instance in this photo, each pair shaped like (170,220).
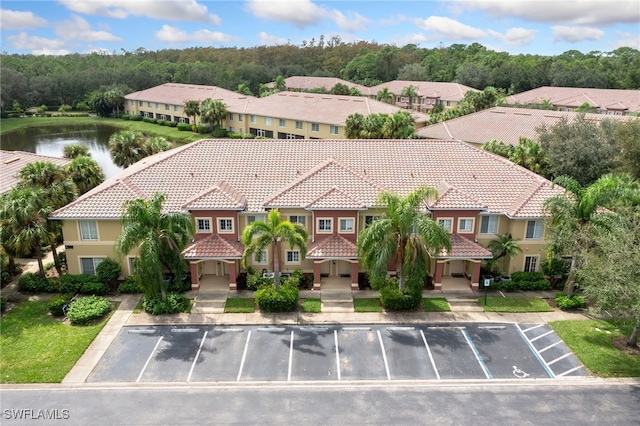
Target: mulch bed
(620,343)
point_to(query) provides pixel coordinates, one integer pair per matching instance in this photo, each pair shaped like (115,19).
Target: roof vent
(11,160)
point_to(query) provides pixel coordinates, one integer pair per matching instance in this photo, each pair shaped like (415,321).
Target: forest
(71,79)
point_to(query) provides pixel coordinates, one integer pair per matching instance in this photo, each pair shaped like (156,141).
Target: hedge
(34,283)
(174,303)
(283,300)
(130,286)
(87,309)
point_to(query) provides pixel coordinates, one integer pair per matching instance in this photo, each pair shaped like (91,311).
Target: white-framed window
(292,256)
(267,121)
(465,224)
(252,118)
(133,265)
(260,258)
(530,263)
(230,118)
(255,218)
(299,125)
(489,224)
(302,220)
(291,136)
(334,130)
(141,103)
(446,223)
(149,105)
(315,127)
(325,225)
(157,105)
(368,219)
(225,225)
(88,265)
(175,108)
(88,230)
(231,129)
(346,225)
(203,225)
(239,117)
(166,107)
(535,229)
(261,132)
(282,122)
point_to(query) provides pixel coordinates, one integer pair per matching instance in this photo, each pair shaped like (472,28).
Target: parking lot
(335,353)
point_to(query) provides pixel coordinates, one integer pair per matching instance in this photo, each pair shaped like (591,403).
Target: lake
(50,140)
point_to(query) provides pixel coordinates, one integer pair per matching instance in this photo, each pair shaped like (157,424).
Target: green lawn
(240,305)
(590,340)
(436,304)
(311,304)
(35,348)
(515,304)
(172,133)
(367,305)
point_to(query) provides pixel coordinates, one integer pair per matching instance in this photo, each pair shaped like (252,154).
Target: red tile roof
(11,162)
(308,83)
(334,246)
(222,195)
(295,173)
(214,247)
(178,94)
(450,197)
(462,247)
(432,89)
(576,96)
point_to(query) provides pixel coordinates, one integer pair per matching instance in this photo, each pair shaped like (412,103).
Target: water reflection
(51,140)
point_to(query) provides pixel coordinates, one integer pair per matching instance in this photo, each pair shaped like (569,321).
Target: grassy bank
(13,124)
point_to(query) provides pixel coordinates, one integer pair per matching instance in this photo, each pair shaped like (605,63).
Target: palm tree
(192,109)
(74,151)
(574,216)
(213,112)
(403,233)
(399,126)
(159,237)
(280,84)
(156,144)
(85,173)
(385,95)
(353,125)
(23,220)
(257,236)
(127,147)
(244,89)
(411,92)
(531,155)
(504,246)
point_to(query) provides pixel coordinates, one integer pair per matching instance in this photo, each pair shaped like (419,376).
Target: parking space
(334,353)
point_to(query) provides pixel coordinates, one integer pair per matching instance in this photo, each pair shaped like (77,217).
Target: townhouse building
(307,83)
(328,186)
(11,162)
(429,94)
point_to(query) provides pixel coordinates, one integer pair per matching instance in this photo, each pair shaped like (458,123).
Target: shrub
(174,303)
(34,283)
(394,299)
(234,135)
(172,123)
(136,118)
(130,286)
(62,260)
(528,281)
(284,300)
(184,127)
(75,283)
(255,280)
(57,303)
(202,129)
(86,309)
(108,270)
(125,117)
(150,120)
(180,286)
(567,303)
(220,133)
(95,288)
(161,122)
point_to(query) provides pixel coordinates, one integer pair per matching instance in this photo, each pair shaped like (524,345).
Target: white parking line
(244,356)
(141,331)
(290,357)
(477,354)
(433,363)
(570,371)
(559,358)
(532,328)
(540,336)
(153,352)
(185,330)
(335,337)
(550,346)
(535,352)
(193,364)
(384,356)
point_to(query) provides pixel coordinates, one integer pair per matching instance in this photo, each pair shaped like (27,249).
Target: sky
(546,27)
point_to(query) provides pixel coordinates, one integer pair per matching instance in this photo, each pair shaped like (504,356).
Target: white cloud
(450,28)
(575,34)
(577,12)
(170,10)
(24,41)
(270,39)
(80,29)
(627,40)
(415,38)
(169,34)
(395,20)
(352,22)
(515,36)
(16,20)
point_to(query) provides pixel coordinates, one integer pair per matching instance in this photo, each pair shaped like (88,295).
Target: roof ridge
(336,189)
(94,193)
(520,202)
(222,187)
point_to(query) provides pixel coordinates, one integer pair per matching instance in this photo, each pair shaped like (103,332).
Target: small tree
(74,151)
(192,109)
(108,270)
(64,109)
(505,246)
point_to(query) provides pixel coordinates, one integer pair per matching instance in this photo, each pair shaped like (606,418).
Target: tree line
(32,80)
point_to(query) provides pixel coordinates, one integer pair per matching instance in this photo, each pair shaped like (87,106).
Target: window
(149,104)
(88,230)
(465,225)
(260,258)
(166,107)
(299,125)
(334,130)
(230,116)
(293,256)
(346,225)
(203,225)
(448,103)
(534,229)
(369,219)
(282,122)
(88,265)
(446,224)
(157,105)
(261,132)
(133,265)
(302,220)
(175,108)
(324,225)
(252,118)
(255,218)
(315,127)
(530,263)
(267,121)
(231,129)
(140,103)
(239,117)
(225,225)
(489,224)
